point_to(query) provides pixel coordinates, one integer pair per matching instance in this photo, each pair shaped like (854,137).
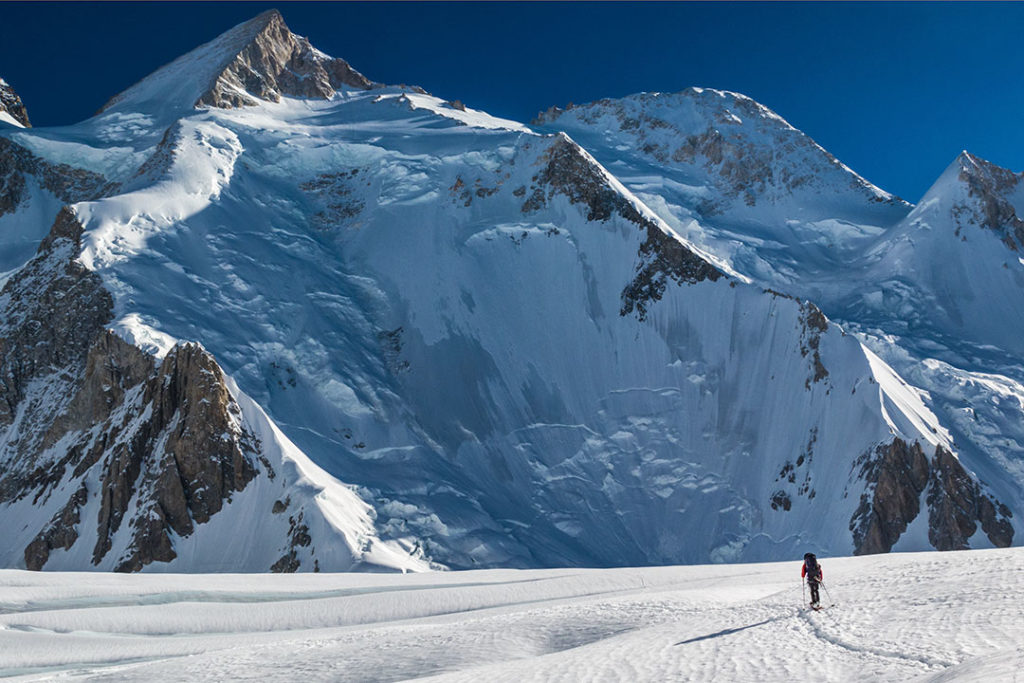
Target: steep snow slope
(509,355)
(921,617)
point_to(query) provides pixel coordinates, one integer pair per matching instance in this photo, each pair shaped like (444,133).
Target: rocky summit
(261,313)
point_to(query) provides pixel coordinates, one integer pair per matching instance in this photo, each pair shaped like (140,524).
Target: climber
(812,571)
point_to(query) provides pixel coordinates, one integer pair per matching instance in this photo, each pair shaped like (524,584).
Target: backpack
(811,565)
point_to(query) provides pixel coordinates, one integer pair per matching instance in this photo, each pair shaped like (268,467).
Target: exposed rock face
(956,504)
(161,444)
(67,183)
(181,447)
(276,62)
(12,104)
(989,186)
(814,324)
(61,532)
(897,475)
(570,171)
(44,330)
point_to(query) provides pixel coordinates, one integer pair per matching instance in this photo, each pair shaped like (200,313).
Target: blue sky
(894,90)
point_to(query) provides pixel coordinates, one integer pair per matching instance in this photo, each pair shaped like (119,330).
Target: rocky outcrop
(53,310)
(12,104)
(898,474)
(181,448)
(569,171)
(988,185)
(275,62)
(298,535)
(61,532)
(172,451)
(957,504)
(814,324)
(337,194)
(67,183)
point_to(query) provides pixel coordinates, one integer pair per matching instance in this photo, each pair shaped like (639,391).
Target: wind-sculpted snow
(742,148)
(412,335)
(907,616)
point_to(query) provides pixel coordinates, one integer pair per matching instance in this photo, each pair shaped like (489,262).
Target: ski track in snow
(914,616)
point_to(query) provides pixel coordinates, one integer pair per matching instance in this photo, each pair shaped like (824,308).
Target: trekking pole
(803,590)
(827,593)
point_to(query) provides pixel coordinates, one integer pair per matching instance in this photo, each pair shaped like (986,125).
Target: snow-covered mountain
(282,317)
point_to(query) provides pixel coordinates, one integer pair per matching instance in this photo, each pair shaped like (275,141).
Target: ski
(820,607)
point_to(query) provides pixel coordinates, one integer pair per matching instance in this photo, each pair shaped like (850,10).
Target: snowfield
(911,616)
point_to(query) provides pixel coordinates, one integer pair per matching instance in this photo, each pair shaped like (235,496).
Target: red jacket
(803,572)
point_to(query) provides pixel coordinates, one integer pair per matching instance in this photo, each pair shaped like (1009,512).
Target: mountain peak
(12,110)
(979,177)
(979,192)
(258,60)
(972,166)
